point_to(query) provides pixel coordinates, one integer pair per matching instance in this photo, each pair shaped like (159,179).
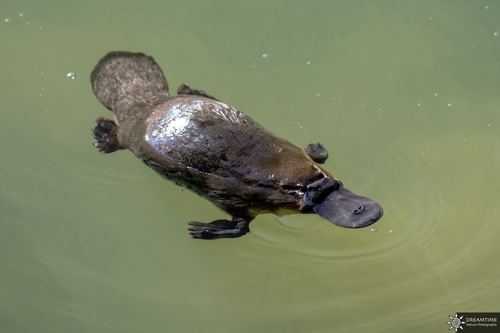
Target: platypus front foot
(317,152)
(219,229)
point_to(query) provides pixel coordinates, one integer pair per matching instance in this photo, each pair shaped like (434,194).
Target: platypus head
(331,200)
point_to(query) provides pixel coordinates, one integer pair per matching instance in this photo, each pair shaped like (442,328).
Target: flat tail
(121,80)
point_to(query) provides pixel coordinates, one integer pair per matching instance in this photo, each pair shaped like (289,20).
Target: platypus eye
(294,189)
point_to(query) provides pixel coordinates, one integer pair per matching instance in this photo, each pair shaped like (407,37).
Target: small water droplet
(265,56)
(7,20)
(451,105)
(21,14)
(486,7)
(436,94)
(71,75)
(374,230)
(489,125)
(308,62)
(419,104)
(317,94)
(496,34)
(430,18)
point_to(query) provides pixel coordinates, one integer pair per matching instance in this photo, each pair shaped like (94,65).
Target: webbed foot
(106,135)
(317,152)
(184,89)
(219,229)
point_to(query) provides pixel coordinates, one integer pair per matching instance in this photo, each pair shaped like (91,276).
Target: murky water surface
(404,95)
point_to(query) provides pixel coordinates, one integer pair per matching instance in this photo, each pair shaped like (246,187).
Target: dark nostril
(357,211)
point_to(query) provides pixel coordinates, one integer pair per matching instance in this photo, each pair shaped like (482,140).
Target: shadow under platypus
(216,151)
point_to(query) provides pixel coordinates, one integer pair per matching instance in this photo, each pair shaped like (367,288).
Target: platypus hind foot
(184,89)
(219,229)
(106,135)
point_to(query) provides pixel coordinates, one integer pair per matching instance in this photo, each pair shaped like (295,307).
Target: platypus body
(216,151)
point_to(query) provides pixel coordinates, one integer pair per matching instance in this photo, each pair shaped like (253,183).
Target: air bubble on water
(486,7)
(374,230)
(451,105)
(265,56)
(71,75)
(21,15)
(7,20)
(317,94)
(419,104)
(308,62)
(496,34)
(489,125)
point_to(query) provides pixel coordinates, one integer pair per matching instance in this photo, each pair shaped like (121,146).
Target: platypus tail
(123,79)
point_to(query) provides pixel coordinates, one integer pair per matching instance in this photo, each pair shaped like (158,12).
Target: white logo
(456,323)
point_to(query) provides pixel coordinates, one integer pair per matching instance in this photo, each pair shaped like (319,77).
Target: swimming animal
(216,151)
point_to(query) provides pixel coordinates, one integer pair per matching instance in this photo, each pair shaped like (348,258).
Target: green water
(404,94)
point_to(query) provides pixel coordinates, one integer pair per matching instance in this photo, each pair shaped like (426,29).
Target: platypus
(216,151)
